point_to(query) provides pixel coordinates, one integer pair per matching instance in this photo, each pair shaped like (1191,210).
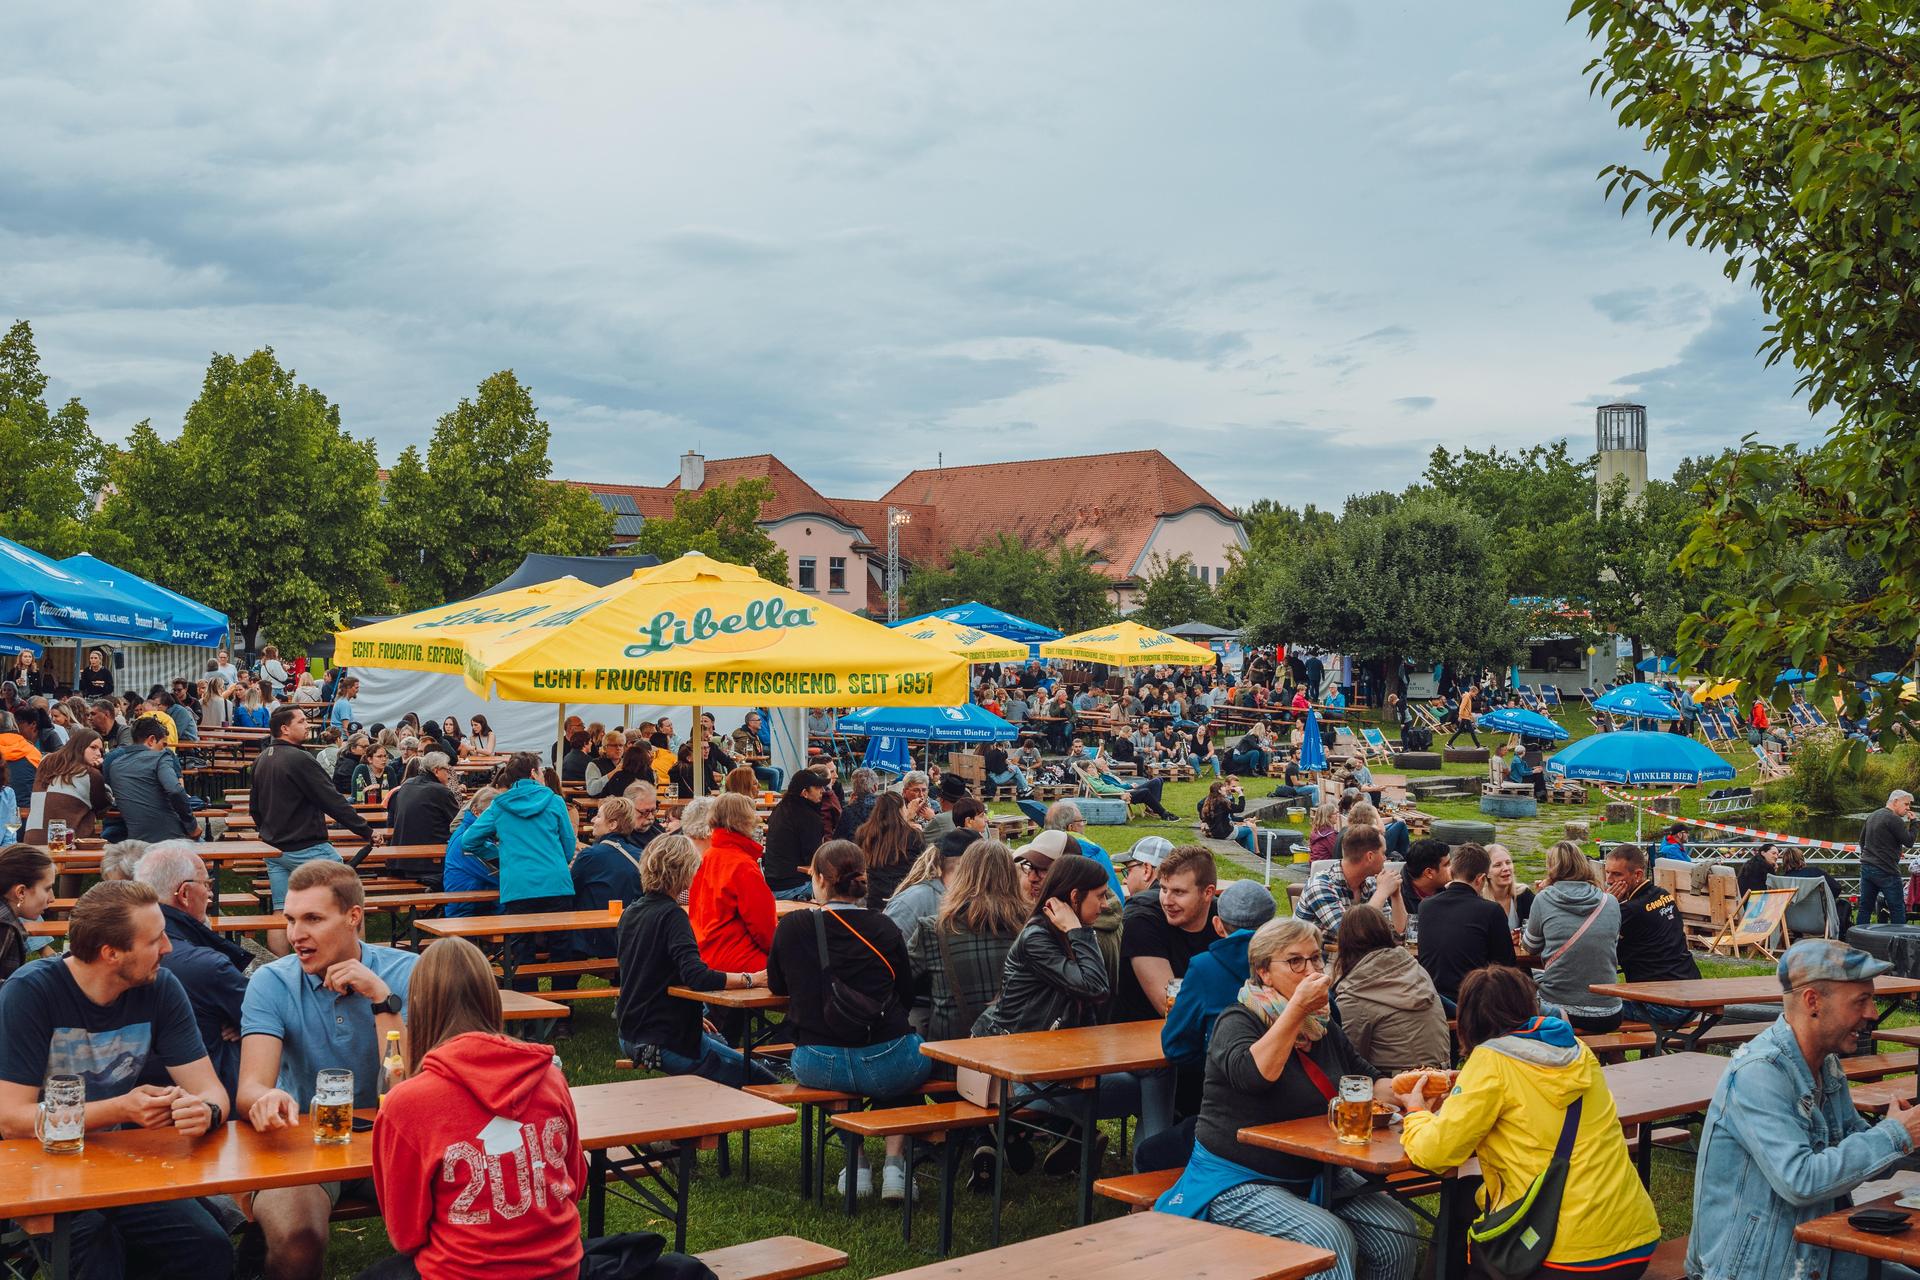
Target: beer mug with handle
(333,1107)
(60,1122)
(1350,1111)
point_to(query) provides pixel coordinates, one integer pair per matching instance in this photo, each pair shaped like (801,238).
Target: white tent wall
(385,696)
(150,664)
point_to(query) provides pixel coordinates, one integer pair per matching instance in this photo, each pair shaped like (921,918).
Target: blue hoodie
(528,830)
(1212,982)
(464,873)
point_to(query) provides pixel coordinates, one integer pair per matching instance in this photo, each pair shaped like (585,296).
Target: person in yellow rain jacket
(1507,1107)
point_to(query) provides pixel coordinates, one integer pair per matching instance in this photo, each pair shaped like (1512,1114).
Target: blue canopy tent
(189,621)
(12,644)
(1528,724)
(1636,758)
(1639,701)
(43,598)
(986,618)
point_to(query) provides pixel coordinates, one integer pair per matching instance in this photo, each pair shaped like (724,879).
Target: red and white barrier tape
(1776,837)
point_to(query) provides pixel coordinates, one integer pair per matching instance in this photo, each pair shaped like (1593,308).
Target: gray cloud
(1654,307)
(1416,404)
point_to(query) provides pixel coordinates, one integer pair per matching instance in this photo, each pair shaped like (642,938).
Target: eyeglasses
(1299,964)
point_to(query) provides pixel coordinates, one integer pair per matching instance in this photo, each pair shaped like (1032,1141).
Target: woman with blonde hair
(962,951)
(1504,888)
(465,1075)
(657,950)
(1574,927)
(1323,837)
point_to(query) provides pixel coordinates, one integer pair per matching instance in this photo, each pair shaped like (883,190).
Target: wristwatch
(391,1004)
(219,1117)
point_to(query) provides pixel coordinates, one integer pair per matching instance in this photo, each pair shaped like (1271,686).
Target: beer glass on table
(1351,1111)
(59,837)
(60,1121)
(333,1107)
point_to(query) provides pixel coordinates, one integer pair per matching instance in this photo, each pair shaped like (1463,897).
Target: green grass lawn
(727,1211)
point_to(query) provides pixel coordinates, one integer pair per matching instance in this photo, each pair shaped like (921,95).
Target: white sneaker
(863,1184)
(894,1184)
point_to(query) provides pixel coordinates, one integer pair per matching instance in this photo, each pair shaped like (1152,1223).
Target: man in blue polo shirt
(328,1005)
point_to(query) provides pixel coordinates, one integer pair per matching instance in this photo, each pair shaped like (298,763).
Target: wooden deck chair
(1375,743)
(1814,715)
(1425,714)
(1770,771)
(1092,784)
(1710,728)
(1756,925)
(1588,695)
(1550,695)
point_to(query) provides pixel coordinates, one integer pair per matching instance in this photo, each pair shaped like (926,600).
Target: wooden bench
(776,1258)
(1878,1066)
(926,1121)
(815,1105)
(1613,1046)
(1669,1261)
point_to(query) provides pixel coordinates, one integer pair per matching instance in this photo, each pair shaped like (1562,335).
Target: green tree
(1275,534)
(1414,576)
(722,521)
(262,506)
(487,467)
(1537,500)
(49,458)
(1173,593)
(1785,135)
(1057,587)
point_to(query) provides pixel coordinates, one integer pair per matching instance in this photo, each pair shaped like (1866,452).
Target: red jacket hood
(723,838)
(501,1074)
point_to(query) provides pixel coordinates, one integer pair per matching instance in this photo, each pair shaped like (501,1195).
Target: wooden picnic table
(1709,997)
(524,1006)
(136,1166)
(1062,1065)
(1140,1246)
(1830,1231)
(209,851)
(498,929)
(219,924)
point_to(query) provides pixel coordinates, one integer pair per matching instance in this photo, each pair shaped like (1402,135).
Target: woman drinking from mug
(1275,1056)
(849,981)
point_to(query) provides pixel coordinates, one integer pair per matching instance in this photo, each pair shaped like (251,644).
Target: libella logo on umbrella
(716,624)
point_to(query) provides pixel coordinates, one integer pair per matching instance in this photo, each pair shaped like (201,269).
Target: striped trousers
(1372,1236)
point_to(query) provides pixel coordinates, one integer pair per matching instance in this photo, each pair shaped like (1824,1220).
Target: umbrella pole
(699,758)
(559,735)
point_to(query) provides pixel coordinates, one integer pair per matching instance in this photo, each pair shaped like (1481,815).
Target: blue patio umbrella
(189,621)
(1884,677)
(1794,675)
(1655,666)
(47,599)
(991,620)
(888,753)
(1640,759)
(1640,700)
(968,723)
(1313,752)
(1528,724)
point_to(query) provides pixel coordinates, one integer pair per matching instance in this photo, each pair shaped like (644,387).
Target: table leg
(949,1175)
(597,1167)
(1643,1158)
(746,1078)
(906,1205)
(682,1189)
(1689,1036)
(1449,1245)
(1089,1131)
(62,1246)
(1000,1151)
(508,962)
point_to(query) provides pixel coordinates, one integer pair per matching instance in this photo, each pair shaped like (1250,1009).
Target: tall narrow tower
(1621,431)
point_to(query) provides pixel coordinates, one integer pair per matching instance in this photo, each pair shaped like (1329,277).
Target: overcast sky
(1293,243)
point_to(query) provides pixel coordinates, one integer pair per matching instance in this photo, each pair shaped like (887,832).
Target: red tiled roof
(919,537)
(654,503)
(1109,503)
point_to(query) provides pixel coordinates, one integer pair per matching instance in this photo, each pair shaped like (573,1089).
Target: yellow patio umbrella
(701,632)
(435,639)
(970,643)
(1127,644)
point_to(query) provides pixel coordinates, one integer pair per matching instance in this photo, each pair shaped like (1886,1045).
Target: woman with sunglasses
(1276,1056)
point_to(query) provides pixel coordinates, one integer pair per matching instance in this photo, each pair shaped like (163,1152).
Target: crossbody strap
(1315,1074)
(1569,1129)
(1568,945)
(856,933)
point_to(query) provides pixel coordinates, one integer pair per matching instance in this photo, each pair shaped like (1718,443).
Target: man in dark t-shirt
(1162,929)
(1460,931)
(1653,938)
(101,1014)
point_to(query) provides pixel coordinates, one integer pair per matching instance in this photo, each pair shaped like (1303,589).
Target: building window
(837,573)
(1203,575)
(808,581)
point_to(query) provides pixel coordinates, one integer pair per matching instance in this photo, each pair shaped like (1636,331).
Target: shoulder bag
(1512,1243)
(849,1013)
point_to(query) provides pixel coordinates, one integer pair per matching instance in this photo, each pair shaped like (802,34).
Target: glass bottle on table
(393,1068)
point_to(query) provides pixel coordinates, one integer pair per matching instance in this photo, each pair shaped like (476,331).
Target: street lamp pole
(895,518)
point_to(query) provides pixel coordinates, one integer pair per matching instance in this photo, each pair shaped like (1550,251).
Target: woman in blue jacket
(463,872)
(528,833)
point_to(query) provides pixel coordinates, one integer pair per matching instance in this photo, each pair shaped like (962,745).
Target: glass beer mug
(333,1107)
(60,1122)
(59,839)
(1350,1111)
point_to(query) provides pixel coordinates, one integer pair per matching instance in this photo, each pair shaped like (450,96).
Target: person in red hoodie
(476,1154)
(729,904)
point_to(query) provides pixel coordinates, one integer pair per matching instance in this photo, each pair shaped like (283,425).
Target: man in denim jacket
(1783,1142)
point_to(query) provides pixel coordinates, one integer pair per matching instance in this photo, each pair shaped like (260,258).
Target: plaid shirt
(977,960)
(1325,901)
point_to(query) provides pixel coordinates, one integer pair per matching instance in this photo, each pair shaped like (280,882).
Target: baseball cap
(1151,850)
(1245,904)
(1045,847)
(1825,960)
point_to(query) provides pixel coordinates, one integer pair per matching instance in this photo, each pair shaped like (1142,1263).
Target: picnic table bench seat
(775,1258)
